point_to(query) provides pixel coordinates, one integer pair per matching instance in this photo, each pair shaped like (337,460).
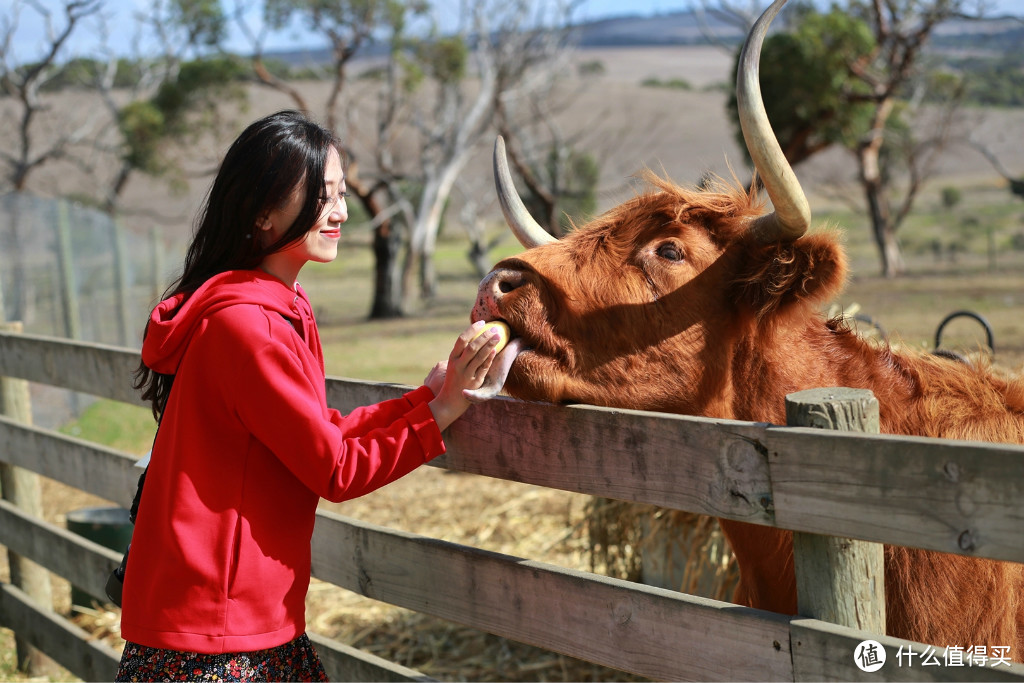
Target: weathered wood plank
(87,367)
(875,488)
(649,631)
(954,496)
(71,647)
(102,471)
(961,497)
(685,463)
(345,663)
(690,463)
(980,511)
(347,394)
(84,563)
(825,652)
(957,497)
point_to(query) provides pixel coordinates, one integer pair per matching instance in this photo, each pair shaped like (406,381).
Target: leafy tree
(148,125)
(843,77)
(171,98)
(806,83)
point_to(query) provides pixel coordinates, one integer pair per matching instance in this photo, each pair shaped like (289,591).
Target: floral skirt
(294,661)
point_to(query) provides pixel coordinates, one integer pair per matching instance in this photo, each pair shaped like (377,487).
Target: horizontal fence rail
(957,497)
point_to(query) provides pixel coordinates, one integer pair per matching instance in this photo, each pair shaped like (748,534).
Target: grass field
(539,523)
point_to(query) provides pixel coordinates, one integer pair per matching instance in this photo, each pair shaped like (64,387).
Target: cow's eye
(670,252)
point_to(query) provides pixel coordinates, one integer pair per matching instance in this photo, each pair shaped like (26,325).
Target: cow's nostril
(505,286)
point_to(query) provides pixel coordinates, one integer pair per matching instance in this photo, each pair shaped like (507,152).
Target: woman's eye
(670,252)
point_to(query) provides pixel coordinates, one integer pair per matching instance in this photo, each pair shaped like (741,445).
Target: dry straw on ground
(542,524)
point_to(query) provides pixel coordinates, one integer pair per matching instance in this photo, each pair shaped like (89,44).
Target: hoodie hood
(174,320)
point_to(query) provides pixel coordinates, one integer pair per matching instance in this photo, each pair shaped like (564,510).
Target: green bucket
(108,526)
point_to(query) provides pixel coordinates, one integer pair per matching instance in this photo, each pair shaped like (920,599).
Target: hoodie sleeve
(391,409)
(281,402)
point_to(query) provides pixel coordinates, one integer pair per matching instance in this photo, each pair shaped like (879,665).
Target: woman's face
(320,244)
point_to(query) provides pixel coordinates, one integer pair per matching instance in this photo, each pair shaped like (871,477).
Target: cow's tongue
(498,373)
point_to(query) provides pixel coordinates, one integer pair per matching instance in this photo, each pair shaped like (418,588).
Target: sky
(30,37)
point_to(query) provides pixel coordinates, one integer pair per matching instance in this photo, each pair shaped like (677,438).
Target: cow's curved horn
(527,230)
(792,214)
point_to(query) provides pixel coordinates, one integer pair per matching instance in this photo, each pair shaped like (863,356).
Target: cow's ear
(775,277)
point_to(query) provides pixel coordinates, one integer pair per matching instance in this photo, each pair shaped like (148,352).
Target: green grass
(936,284)
(117,425)
(8,658)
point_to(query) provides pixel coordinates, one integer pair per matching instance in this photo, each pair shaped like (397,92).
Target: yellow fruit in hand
(503,332)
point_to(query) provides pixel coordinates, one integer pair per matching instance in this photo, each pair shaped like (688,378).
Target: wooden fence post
(122,287)
(21,487)
(158,264)
(838,580)
(70,307)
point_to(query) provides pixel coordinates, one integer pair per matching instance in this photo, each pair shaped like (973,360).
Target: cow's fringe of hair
(726,203)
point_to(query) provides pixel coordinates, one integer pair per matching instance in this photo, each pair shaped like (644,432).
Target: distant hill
(675,28)
(991,36)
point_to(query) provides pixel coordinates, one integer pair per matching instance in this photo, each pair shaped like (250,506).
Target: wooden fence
(956,497)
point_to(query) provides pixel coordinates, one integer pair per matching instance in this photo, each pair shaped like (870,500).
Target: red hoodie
(220,555)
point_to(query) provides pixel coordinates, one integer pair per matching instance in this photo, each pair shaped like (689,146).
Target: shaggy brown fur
(664,303)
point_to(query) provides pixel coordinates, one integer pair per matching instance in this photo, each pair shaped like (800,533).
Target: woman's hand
(465,369)
(435,378)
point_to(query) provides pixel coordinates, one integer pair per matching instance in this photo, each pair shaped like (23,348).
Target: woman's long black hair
(261,169)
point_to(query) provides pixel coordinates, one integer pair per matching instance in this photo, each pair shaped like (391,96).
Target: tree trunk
(409,263)
(875,189)
(387,283)
(882,230)
(424,234)
(17,297)
(434,200)
(428,276)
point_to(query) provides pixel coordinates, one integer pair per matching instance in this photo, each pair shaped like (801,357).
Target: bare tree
(736,14)
(348,27)
(540,148)
(507,39)
(1016,184)
(257,38)
(150,107)
(23,83)
(901,30)
(877,45)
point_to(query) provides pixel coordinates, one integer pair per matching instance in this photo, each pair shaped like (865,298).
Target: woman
(220,561)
